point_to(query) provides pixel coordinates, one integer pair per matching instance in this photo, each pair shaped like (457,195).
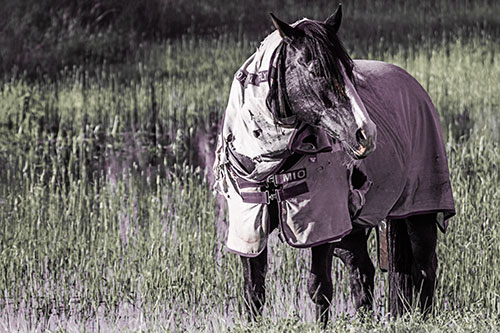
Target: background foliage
(42,37)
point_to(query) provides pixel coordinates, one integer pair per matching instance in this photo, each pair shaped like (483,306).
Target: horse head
(315,74)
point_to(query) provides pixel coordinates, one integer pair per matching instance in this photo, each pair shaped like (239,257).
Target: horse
(326,148)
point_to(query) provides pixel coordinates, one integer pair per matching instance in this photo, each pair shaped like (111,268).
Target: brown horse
(302,80)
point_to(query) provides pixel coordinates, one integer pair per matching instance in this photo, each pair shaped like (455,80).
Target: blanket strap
(263,192)
(265,197)
(272,188)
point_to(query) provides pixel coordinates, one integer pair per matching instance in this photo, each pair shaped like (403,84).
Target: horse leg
(400,267)
(353,252)
(255,269)
(320,286)
(422,232)
(412,262)
(254,274)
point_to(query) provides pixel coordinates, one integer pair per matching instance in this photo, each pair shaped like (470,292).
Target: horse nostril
(361,136)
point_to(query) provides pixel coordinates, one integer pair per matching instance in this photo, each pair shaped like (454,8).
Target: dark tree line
(38,37)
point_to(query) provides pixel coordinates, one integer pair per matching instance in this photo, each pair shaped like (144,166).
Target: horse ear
(287,32)
(335,19)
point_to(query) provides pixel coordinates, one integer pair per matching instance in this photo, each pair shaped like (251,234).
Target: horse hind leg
(400,259)
(422,232)
(320,285)
(412,262)
(254,275)
(353,252)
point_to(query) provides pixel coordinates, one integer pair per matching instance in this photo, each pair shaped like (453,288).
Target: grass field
(108,221)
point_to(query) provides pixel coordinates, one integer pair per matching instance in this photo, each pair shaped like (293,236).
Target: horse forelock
(325,46)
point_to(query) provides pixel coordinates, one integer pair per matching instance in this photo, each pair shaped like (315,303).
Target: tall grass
(108,222)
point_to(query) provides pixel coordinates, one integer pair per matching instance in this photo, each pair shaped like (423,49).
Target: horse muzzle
(366,142)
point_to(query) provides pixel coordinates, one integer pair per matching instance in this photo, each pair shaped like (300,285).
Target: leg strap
(383,258)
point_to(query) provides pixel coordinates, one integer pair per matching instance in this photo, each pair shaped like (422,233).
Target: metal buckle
(270,196)
(271,179)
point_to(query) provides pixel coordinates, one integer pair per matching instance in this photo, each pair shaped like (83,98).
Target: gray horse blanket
(312,195)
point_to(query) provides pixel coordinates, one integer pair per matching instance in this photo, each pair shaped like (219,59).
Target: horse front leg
(353,252)
(320,286)
(254,274)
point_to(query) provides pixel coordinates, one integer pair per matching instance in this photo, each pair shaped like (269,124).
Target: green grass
(107,223)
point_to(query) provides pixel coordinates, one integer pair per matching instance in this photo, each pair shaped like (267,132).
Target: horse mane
(318,38)
(277,98)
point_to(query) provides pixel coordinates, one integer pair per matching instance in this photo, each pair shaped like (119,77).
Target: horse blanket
(409,168)
(407,174)
(313,193)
